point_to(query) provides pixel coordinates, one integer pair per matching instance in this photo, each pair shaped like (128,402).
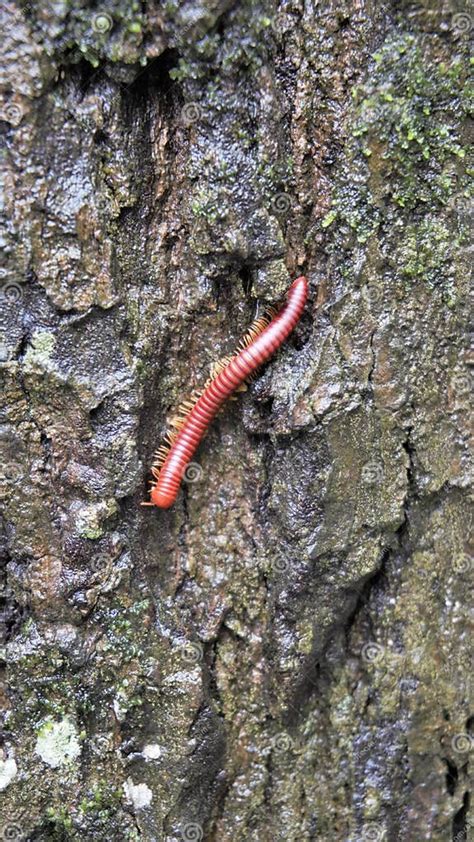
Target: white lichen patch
(8,771)
(58,742)
(140,795)
(152,751)
(120,708)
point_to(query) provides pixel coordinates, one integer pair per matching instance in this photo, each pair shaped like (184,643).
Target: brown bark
(284,655)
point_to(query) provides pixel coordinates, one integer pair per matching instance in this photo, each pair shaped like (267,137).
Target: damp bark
(284,654)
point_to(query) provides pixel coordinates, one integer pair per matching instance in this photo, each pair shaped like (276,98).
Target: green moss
(59,817)
(408,120)
(205,205)
(92,534)
(102,800)
(425,250)
(125,631)
(202,57)
(183,71)
(329,219)
(405,156)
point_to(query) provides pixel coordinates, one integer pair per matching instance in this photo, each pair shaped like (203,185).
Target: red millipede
(262,341)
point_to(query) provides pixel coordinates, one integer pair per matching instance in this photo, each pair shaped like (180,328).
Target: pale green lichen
(90,518)
(40,350)
(58,742)
(406,151)
(408,117)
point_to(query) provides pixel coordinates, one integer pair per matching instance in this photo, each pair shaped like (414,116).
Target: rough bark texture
(284,655)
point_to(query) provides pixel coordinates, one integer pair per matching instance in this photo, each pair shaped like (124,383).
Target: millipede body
(262,341)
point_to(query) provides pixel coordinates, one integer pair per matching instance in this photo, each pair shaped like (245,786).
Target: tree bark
(283,655)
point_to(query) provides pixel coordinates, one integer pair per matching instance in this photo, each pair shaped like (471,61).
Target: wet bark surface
(284,655)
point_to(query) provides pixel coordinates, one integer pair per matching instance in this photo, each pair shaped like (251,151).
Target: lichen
(90,518)
(40,350)
(409,116)
(406,149)
(58,742)
(140,795)
(8,772)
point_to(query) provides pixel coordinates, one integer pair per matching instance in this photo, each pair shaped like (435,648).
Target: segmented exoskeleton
(195,415)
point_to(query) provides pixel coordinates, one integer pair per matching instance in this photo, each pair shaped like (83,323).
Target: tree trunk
(284,654)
